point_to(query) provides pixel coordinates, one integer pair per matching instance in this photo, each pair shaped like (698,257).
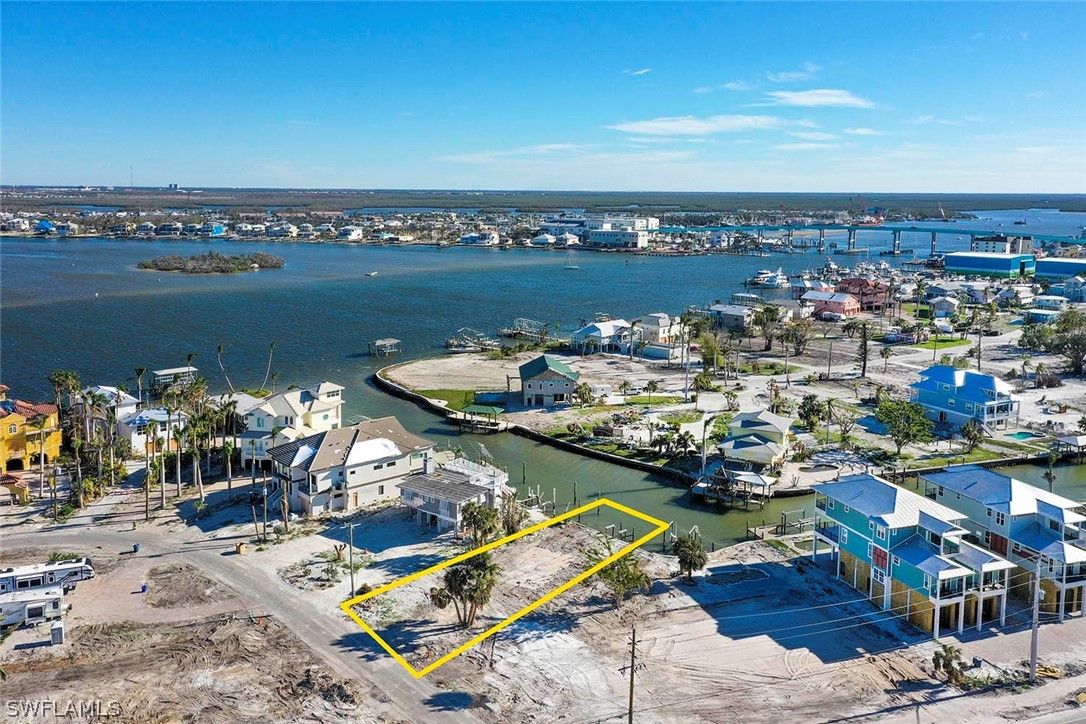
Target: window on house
(940,491)
(378,466)
(260,422)
(868,551)
(829,503)
(897,561)
(870,525)
(846,508)
(392,464)
(1054,525)
(844,535)
(878,575)
(950,402)
(988,512)
(12,429)
(880,533)
(380,489)
(1000,518)
(927,581)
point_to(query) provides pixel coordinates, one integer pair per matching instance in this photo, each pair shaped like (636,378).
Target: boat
(766,279)
(1020,223)
(371,274)
(570,266)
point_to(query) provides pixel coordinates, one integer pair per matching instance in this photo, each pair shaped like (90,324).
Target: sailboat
(570,266)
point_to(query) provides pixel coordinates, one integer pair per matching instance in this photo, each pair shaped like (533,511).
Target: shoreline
(677,478)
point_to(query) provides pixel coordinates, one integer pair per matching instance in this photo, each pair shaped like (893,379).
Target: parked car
(833,316)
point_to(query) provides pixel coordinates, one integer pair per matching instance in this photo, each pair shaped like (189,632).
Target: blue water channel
(82,305)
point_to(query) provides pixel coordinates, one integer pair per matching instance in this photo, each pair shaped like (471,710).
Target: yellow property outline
(661,526)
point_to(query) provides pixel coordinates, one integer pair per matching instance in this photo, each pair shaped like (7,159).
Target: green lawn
(653,400)
(681,417)
(457,399)
(945,342)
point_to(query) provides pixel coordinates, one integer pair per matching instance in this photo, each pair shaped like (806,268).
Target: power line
(762,685)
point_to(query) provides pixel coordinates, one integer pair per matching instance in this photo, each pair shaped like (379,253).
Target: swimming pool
(1023,435)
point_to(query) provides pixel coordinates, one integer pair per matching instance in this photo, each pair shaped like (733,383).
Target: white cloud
(543,149)
(818,98)
(695,126)
(807,71)
(929,119)
(804,146)
(863,132)
(733,86)
(813,135)
(643,71)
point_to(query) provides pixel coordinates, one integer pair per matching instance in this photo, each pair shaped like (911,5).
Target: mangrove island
(213,263)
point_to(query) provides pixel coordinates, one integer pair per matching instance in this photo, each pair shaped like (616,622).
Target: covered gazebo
(488,413)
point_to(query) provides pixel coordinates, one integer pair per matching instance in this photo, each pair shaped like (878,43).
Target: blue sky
(972,97)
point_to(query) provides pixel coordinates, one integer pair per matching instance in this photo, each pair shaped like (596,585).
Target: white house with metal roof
(287,416)
(349,467)
(1039,532)
(437,496)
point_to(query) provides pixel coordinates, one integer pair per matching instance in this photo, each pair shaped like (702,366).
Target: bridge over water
(789,231)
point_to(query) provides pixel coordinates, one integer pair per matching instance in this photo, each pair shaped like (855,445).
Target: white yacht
(766,279)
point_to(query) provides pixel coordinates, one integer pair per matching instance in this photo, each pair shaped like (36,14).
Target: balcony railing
(947,590)
(821,504)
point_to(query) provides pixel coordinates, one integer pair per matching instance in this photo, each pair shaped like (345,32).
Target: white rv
(40,575)
(31,607)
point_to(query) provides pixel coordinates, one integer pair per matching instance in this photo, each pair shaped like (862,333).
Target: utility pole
(1036,621)
(829,362)
(350,554)
(633,666)
(264,498)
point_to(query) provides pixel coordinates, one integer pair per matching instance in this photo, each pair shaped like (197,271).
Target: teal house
(547,381)
(908,554)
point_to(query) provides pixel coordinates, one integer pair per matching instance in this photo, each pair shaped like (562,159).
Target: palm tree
(685,442)
(691,555)
(830,408)
(886,352)
(583,393)
(701,383)
(140,372)
(469,586)
(948,659)
(1039,372)
(77,446)
(218,357)
(228,455)
(650,387)
(921,285)
(38,422)
(624,388)
(271,351)
(180,436)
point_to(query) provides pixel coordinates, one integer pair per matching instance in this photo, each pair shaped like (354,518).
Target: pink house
(836,302)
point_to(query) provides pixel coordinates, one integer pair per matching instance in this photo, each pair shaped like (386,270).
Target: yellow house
(21,442)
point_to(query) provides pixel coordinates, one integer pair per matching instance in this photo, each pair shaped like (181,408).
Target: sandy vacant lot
(759,638)
(158,657)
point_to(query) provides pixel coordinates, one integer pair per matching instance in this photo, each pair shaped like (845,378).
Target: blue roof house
(952,397)
(908,554)
(1039,532)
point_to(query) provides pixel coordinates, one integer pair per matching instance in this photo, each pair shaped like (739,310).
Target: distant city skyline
(798,97)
